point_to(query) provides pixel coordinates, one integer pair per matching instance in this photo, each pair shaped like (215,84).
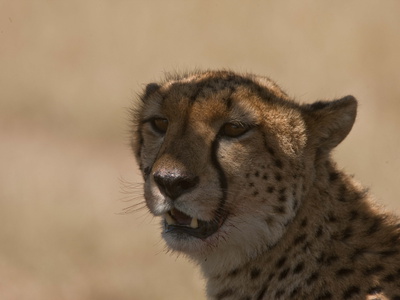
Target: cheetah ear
(329,122)
(150,89)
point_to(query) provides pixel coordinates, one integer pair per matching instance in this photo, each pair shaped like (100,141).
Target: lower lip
(200,232)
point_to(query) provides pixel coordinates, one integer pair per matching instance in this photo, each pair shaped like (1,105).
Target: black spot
(280,262)
(347,233)
(279,209)
(257,174)
(251,184)
(324,296)
(395,240)
(282,198)
(234,272)
(270,189)
(262,292)
(247,175)
(359,195)
(306,246)
(255,193)
(375,290)
(353,215)
(389,278)
(283,274)
(319,232)
(278,177)
(344,272)
(358,252)
(299,239)
(295,204)
(333,176)
(271,151)
(294,292)
(265,177)
(278,163)
(331,217)
(351,291)
(304,222)
(374,270)
(321,258)
(388,253)
(331,259)
(335,236)
(255,273)
(342,194)
(225,293)
(269,221)
(328,260)
(375,226)
(298,268)
(146,171)
(314,276)
(272,275)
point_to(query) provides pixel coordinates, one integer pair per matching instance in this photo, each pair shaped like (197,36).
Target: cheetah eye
(160,125)
(234,129)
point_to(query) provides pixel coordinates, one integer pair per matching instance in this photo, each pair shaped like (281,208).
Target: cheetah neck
(320,230)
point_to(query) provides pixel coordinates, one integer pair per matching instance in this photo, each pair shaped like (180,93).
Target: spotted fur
(277,218)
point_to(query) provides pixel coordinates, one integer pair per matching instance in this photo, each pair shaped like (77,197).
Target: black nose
(174,184)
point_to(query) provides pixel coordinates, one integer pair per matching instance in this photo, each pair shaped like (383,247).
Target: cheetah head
(225,156)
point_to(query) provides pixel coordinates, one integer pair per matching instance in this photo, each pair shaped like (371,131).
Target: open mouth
(179,222)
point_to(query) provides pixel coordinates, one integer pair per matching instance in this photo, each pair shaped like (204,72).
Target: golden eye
(160,125)
(234,129)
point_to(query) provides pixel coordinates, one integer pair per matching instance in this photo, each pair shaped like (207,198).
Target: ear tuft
(329,122)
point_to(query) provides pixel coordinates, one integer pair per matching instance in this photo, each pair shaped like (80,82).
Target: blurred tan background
(69,70)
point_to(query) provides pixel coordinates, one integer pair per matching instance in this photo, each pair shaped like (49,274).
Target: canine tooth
(194,223)
(169,219)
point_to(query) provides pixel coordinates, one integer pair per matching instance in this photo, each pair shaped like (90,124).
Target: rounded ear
(150,89)
(329,122)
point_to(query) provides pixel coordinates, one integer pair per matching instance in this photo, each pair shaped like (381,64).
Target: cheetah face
(214,163)
(223,161)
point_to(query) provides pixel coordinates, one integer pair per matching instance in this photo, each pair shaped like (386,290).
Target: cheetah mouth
(176,221)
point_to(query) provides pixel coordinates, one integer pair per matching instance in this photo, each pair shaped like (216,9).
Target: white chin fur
(190,246)
(228,248)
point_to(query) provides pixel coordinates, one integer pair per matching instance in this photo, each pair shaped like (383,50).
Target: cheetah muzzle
(173,184)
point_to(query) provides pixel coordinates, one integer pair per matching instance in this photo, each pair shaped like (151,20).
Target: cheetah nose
(174,184)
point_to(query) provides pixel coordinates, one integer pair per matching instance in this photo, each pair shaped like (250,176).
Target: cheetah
(243,180)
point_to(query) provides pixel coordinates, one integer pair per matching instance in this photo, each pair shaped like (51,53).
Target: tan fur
(291,225)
